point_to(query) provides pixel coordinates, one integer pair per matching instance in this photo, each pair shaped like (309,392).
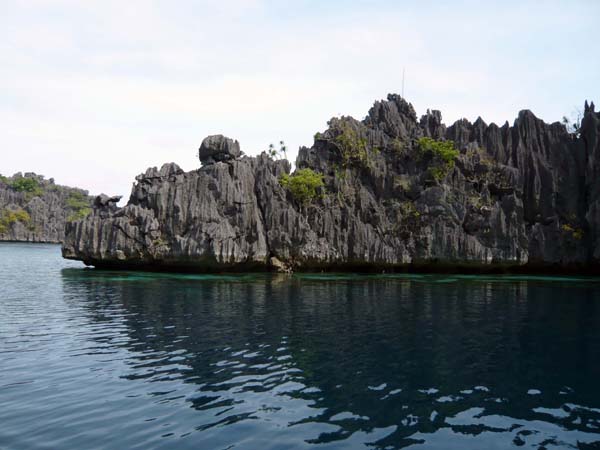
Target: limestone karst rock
(525,196)
(218,148)
(34,209)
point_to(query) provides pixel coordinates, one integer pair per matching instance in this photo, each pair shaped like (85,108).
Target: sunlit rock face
(525,196)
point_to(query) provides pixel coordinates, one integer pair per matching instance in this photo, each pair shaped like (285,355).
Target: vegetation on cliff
(302,184)
(78,206)
(29,186)
(10,216)
(349,138)
(33,208)
(441,153)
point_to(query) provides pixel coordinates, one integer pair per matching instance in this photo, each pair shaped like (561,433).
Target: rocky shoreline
(392,192)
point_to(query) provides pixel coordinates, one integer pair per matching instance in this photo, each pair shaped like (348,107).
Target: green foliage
(485,159)
(443,150)
(483,156)
(398,146)
(78,214)
(479,201)
(30,186)
(79,205)
(303,184)
(575,232)
(159,242)
(9,216)
(410,221)
(409,211)
(3,179)
(438,173)
(340,172)
(402,183)
(77,200)
(442,154)
(283,149)
(568,228)
(274,153)
(352,146)
(25,184)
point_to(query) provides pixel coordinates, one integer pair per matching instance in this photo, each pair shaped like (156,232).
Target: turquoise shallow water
(118,360)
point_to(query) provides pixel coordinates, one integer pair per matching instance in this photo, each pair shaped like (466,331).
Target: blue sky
(93,93)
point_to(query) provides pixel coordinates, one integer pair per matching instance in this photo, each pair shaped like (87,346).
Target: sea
(94,359)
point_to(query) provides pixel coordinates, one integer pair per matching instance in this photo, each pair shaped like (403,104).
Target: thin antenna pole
(403,82)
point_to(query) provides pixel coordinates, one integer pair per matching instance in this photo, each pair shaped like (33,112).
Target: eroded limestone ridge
(395,193)
(35,209)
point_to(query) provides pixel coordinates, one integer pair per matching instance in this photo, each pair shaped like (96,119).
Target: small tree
(29,186)
(303,184)
(25,185)
(275,153)
(272,152)
(442,155)
(283,149)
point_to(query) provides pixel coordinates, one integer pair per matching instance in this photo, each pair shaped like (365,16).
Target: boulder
(218,148)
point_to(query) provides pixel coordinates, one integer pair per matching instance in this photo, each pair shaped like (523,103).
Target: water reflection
(345,362)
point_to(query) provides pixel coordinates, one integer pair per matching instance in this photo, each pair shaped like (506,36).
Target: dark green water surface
(123,360)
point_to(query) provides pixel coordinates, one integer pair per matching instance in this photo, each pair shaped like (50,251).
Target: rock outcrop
(33,209)
(218,148)
(395,196)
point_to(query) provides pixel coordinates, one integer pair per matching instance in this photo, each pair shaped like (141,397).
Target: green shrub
(398,146)
(79,205)
(352,146)
(438,173)
(409,210)
(442,154)
(339,172)
(443,150)
(402,183)
(303,184)
(77,200)
(27,185)
(9,216)
(410,221)
(484,157)
(576,232)
(78,214)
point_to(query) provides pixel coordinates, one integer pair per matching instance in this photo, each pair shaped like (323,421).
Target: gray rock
(218,148)
(522,197)
(103,201)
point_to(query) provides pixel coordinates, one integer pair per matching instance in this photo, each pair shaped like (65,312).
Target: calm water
(92,359)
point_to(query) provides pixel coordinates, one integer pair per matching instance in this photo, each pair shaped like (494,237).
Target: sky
(94,92)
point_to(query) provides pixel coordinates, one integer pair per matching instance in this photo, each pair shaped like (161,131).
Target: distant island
(390,192)
(34,209)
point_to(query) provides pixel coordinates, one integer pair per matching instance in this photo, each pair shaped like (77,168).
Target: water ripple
(96,359)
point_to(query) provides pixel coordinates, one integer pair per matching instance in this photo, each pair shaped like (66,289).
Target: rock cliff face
(34,209)
(395,195)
